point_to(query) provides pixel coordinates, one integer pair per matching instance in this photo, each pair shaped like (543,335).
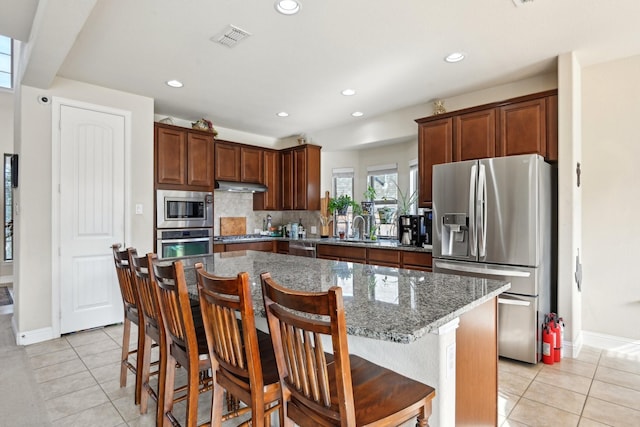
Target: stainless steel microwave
(184,209)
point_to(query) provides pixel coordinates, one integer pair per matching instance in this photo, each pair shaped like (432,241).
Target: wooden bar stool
(154,332)
(131,314)
(347,391)
(186,341)
(241,356)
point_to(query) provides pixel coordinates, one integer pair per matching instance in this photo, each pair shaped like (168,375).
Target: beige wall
(34,196)
(611,198)
(6,146)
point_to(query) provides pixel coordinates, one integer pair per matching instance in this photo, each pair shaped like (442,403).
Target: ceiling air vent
(230,36)
(519,3)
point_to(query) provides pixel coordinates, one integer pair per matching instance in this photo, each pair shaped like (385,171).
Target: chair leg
(139,362)
(162,386)
(193,393)
(145,356)
(126,334)
(216,405)
(169,384)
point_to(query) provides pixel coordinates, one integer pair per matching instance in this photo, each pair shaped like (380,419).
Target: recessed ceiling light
(282,114)
(348,92)
(454,57)
(287,7)
(357,114)
(174,83)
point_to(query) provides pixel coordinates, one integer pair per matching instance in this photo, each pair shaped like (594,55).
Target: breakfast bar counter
(405,320)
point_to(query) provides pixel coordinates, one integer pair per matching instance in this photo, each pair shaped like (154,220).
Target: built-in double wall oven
(184,221)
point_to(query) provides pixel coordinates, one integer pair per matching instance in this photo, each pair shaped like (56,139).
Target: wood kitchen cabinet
(477,366)
(342,253)
(301,178)
(475,135)
(239,163)
(417,260)
(227,161)
(183,158)
(384,257)
(270,199)
(523,125)
(523,128)
(251,165)
(265,246)
(435,146)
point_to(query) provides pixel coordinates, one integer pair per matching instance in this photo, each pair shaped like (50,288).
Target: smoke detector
(519,3)
(230,36)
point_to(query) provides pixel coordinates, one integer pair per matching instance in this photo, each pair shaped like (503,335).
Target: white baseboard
(572,349)
(6,279)
(31,337)
(611,342)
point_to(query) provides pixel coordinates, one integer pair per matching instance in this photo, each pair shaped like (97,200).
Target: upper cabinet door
(171,155)
(200,160)
(227,162)
(523,128)
(286,158)
(475,135)
(251,165)
(270,199)
(435,146)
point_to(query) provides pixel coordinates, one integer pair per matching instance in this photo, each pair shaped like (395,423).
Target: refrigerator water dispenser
(455,234)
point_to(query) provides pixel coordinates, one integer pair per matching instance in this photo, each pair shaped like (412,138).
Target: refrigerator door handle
(482,208)
(513,302)
(473,189)
(480,270)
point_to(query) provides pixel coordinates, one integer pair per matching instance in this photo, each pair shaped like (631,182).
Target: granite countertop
(379,243)
(391,304)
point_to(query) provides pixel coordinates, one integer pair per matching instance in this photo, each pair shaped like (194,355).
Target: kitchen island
(405,320)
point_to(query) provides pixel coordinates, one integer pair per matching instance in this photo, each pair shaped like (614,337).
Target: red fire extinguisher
(561,323)
(548,342)
(555,327)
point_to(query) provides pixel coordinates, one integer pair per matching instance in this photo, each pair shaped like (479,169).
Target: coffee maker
(411,230)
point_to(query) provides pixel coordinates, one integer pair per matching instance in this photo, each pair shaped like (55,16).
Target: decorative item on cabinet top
(438,107)
(204,124)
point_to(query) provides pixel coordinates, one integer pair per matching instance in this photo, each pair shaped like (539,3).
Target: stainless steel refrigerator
(493,218)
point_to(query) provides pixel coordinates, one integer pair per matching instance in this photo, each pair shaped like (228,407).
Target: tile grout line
(96,383)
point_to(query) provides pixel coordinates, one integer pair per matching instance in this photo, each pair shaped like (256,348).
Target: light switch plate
(139,209)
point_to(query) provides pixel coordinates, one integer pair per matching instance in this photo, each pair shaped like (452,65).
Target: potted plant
(385,214)
(369,197)
(405,201)
(340,204)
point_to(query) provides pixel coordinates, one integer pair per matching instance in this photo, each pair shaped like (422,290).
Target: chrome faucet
(356,231)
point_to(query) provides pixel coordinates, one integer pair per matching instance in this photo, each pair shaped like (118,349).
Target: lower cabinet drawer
(345,253)
(250,246)
(386,257)
(417,260)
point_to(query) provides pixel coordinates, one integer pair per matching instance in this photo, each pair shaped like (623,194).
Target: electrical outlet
(139,209)
(314,229)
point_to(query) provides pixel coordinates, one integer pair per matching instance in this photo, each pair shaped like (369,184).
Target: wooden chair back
(224,300)
(175,308)
(147,295)
(297,320)
(125,276)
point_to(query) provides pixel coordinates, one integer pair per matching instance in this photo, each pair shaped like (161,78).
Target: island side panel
(477,367)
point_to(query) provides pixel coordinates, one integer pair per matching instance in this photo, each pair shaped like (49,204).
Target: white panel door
(92,201)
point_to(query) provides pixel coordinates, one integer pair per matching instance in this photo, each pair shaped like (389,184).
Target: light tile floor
(599,388)
(78,376)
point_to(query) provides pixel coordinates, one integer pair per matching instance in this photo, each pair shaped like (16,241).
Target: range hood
(240,187)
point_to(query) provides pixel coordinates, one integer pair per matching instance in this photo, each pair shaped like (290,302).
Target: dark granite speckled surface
(380,302)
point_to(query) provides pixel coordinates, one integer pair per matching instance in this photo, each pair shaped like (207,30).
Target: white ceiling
(390,52)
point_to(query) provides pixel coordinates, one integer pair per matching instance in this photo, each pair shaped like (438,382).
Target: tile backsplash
(226,204)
